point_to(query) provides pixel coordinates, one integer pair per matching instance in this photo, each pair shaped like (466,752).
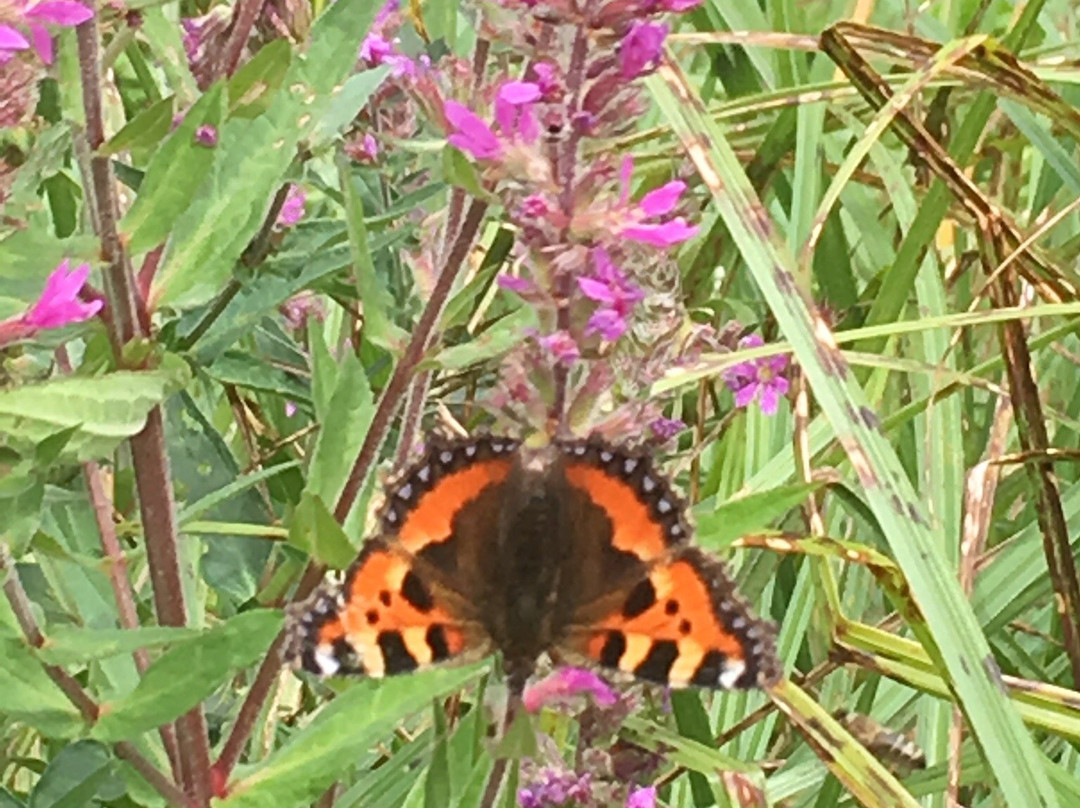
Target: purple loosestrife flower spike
(566,683)
(641,48)
(59,304)
(760,380)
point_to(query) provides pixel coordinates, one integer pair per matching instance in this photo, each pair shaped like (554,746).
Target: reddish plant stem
(403,371)
(365,459)
(565,165)
(260,687)
(244,16)
(149,457)
(121,586)
(145,278)
(154,483)
(413,416)
(87,707)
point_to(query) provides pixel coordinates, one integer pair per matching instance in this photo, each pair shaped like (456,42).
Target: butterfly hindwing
(406,602)
(659,609)
(682,624)
(384,619)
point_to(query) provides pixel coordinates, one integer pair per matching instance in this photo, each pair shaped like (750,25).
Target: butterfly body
(578,549)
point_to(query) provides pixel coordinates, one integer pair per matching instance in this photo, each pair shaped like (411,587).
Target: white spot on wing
(327,662)
(733,669)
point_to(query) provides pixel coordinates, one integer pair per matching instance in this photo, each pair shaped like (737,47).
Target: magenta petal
(745,395)
(663,200)
(595,290)
(770,399)
(512,283)
(42,42)
(519,92)
(751,341)
(626,173)
(666,234)
(473,134)
(11,39)
(641,797)
(59,12)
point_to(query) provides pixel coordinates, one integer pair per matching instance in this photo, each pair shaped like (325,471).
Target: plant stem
(149,458)
(403,371)
(380,423)
(87,707)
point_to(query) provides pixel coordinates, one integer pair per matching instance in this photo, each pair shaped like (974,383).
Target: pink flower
(556,788)
(370,146)
(666,428)
(759,379)
(566,683)
(292,210)
(641,48)
(514,116)
(641,797)
(561,346)
(679,5)
(59,304)
(616,295)
(656,203)
(471,134)
(33,18)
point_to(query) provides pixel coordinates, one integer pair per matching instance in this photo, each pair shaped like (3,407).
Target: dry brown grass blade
(1031,432)
(988,66)
(1049,281)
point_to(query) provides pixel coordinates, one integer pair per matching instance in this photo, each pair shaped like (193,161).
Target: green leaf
(344,426)
(48,449)
(31,696)
(315,531)
(144,131)
(173,176)
(21,498)
(72,646)
(300,771)
(718,526)
(101,410)
(73,777)
(252,87)
(187,673)
(494,342)
(254,156)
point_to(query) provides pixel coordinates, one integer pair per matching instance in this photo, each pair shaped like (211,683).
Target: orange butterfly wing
(680,619)
(399,608)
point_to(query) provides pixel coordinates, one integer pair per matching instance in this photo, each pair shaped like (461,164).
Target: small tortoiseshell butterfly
(579,549)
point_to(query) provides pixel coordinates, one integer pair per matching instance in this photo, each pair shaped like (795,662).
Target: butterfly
(577,548)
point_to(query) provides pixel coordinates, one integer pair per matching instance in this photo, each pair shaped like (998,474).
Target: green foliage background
(818,198)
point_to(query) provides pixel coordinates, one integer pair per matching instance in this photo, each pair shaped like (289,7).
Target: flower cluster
(592,248)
